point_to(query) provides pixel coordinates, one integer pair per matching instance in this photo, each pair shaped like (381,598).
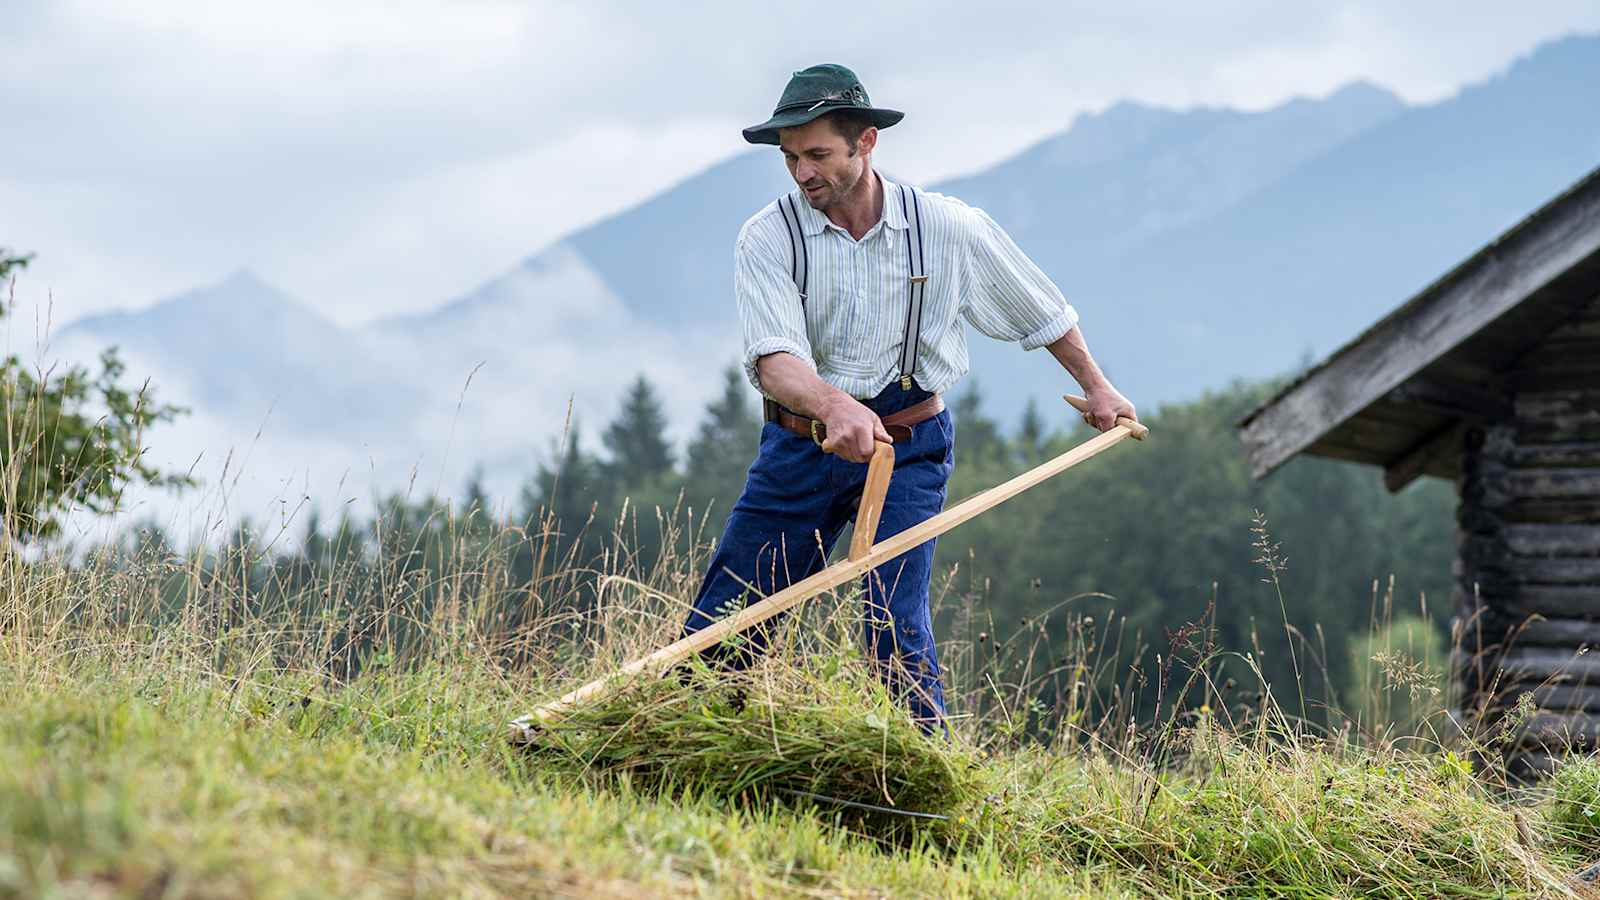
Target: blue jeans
(796,501)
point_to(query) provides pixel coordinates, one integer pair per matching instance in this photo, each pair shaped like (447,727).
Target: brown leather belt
(898,424)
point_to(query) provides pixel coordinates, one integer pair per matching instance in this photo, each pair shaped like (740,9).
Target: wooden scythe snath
(863,557)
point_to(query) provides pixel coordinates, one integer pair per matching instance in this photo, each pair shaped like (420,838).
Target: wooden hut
(1490,377)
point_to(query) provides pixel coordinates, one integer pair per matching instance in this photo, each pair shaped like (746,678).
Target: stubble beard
(835,193)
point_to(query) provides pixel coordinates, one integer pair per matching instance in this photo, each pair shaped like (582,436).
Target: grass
(193,725)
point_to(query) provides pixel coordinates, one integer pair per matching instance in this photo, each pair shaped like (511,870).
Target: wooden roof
(1398,395)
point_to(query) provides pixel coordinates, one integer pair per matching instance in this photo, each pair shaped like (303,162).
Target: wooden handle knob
(1136,430)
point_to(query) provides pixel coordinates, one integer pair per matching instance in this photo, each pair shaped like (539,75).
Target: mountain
(1107,183)
(242,344)
(1116,179)
(1198,245)
(1304,263)
(668,260)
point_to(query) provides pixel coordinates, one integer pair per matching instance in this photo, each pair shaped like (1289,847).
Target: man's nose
(803,172)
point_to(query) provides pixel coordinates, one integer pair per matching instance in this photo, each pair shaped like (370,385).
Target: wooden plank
(1553,540)
(1568,633)
(1452,399)
(1459,365)
(1551,600)
(1555,366)
(1558,353)
(879,468)
(1555,239)
(1544,663)
(1388,439)
(1336,450)
(1494,574)
(1585,323)
(1498,488)
(1410,465)
(1553,697)
(1581,511)
(522,730)
(1558,416)
(1552,378)
(1586,328)
(1556,456)
(1552,484)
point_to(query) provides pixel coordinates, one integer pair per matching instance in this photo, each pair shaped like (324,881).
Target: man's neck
(861,208)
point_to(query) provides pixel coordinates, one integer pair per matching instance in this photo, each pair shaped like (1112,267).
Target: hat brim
(767,132)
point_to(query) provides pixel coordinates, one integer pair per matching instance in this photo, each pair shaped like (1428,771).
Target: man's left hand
(1106,403)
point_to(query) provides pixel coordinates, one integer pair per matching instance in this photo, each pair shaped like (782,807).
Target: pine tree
(640,455)
(570,488)
(476,513)
(1030,434)
(977,436)
(720,453)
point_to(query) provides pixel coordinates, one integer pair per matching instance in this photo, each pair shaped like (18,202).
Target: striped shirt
(853,321)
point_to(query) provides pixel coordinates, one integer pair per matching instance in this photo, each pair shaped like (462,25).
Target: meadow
(180,724)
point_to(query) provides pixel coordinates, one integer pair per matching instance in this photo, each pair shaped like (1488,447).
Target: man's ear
(868,141)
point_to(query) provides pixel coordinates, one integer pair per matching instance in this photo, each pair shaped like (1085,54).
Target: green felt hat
(813,92)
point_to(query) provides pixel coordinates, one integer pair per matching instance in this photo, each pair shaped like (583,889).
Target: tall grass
(412,655)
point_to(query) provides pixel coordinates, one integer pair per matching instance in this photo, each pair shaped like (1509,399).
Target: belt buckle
(815,437)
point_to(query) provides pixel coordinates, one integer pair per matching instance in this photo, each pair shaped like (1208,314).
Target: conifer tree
(977,436)
(640,454)
(1030,434)
(727,441)
(570,487)
(476,511)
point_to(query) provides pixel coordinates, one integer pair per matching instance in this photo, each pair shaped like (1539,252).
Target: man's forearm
(1106,403)
(852,427)
(1072,351)
(787,379)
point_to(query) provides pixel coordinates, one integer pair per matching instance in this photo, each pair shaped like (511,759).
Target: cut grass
(126,780)
(194,743)
(137,786)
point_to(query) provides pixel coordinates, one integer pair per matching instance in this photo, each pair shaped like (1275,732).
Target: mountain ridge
(1202,245)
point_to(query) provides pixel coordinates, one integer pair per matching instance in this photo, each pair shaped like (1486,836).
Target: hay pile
(824,728)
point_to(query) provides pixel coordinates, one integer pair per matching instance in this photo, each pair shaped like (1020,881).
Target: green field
(163,736)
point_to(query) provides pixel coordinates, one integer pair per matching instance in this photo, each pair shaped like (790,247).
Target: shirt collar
(813,222)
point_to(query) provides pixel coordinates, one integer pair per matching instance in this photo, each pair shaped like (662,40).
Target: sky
(376,158)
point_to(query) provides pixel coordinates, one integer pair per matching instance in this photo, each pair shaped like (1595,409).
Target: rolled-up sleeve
(1008,298)
(770,313)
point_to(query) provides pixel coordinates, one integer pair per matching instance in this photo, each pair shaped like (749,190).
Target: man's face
(821,161)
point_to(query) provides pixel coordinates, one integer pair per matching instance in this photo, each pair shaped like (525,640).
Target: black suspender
(918,267)
(916,264)
(799,257)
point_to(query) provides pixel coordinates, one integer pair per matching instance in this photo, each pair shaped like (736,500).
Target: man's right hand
(852,429)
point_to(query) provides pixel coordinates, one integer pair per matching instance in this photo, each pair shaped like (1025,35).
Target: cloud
(377,157)
(287,411)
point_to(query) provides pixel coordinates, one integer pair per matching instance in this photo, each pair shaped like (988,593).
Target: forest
(1297,570)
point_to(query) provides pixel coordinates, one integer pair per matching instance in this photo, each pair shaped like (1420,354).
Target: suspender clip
(905,382)
(919,279)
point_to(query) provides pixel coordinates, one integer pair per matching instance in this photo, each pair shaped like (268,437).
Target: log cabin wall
(1528,571)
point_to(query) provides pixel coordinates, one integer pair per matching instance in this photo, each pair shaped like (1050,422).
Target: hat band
(853,96)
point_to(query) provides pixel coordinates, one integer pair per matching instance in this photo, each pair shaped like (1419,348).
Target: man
(849,291)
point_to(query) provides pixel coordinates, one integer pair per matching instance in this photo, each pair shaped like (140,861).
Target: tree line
(1151,536)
